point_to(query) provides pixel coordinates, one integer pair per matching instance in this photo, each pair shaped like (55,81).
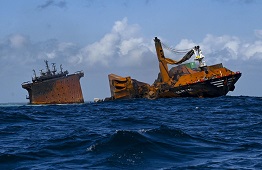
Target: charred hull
(208,88)
(126,88)
(61,90)
(52,88)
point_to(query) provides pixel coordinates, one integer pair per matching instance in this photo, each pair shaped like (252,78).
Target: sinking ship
(193,79)
(53,87)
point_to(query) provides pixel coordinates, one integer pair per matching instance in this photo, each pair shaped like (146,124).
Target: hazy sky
(102,37)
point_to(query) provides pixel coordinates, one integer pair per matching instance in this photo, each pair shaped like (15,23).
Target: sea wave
(178,133)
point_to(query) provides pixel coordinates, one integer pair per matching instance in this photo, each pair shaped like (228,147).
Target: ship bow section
(214,87)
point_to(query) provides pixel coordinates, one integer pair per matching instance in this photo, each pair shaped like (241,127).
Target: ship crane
(197,52)
(184,80)
(163,61)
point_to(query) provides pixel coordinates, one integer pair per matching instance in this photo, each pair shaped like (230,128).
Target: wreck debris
(184,80)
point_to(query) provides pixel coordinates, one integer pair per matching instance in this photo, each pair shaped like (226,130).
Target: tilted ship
(53,87)
(184,80)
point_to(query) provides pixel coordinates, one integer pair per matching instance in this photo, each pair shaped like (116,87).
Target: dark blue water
(178,133)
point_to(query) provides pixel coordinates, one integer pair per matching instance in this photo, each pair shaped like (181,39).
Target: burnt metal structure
(53,87)
(184,80)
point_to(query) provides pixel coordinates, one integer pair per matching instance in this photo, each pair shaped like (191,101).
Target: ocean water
(175,133)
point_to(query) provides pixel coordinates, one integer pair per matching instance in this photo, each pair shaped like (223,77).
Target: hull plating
(60,90)
(209,88)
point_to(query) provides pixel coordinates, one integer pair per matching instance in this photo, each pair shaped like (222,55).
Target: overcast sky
(102,37)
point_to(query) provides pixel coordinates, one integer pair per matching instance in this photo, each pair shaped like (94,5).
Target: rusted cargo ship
(184,80)
(53,87)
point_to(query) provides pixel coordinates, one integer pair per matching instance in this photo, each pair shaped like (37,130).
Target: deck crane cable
(174,50)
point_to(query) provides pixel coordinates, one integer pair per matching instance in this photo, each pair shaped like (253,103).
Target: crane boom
(163,61)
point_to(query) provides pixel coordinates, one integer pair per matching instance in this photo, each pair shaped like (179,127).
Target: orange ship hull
(184,80)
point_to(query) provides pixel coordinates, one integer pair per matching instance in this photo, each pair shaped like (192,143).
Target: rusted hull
(62,90)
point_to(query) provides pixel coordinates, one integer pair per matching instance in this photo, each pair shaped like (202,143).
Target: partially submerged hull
(184,80)
(55,88)
(205,88)
(217,82)
(61,90)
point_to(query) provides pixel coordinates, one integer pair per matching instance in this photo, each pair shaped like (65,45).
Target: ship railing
(26,82)
(79,72)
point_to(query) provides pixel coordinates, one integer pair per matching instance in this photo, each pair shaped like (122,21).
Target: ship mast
(61,68)
(54,69)
(48,72)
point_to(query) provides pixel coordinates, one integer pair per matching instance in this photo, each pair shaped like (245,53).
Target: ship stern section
(61,90)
